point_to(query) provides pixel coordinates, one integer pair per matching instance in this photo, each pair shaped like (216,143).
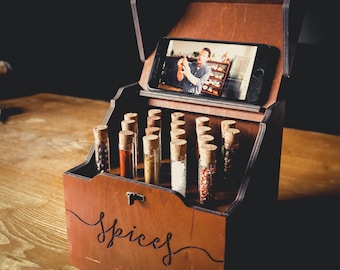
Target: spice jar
(152,130)
(128,124)
(156,121)
(177,124)
(201,130)
(151,158)
(202,121)
(178,165)
(207,174)
(177,116)
(126,165)
(204,139)
(226,124)
(155,111)
(102,148)
(135,147)
(231,148)
(177,133)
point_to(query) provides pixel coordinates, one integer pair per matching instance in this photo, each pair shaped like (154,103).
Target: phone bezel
(263,61)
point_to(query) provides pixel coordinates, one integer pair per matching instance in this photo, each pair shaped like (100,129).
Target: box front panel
(106,230)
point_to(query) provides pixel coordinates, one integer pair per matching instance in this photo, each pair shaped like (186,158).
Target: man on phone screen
(194,74)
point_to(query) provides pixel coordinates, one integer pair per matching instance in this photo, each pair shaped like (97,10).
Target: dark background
(89,49)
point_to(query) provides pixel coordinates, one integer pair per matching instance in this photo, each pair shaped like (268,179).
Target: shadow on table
(5,113)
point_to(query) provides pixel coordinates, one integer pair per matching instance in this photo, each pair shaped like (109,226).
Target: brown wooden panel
(238,22)
(161,232)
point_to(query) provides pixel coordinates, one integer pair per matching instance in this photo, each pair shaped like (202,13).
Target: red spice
(125,160)
(206,192)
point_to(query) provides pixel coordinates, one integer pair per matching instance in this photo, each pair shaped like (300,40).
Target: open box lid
(273,22)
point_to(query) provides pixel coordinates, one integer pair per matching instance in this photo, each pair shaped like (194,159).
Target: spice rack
(114,221)
(217,79)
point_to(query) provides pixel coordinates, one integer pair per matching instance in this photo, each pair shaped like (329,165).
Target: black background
(89,49)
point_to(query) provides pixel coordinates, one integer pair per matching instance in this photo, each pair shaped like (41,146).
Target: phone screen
(224,70)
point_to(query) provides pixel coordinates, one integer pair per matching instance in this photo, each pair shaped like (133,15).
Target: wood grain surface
(43,135)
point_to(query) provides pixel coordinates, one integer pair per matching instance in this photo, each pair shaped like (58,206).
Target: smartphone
(232,71)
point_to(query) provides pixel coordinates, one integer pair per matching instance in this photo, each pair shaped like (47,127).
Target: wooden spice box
(107,229)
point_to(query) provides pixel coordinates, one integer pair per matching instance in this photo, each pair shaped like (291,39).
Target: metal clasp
(132,197)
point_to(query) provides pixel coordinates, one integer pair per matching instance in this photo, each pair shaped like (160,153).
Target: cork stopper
(177,124)
(178,133)
(177,116)
(153,121)
(201,130)
(208,154)
(152,130)
(205,139)
(101,133)
(178,148)
(232,138)
(125,137)
(225,124)
(128,124)
(131,116)
(156,112)
(202,121)
(150,142)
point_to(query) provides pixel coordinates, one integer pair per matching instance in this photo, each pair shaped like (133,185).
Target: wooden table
(46,134)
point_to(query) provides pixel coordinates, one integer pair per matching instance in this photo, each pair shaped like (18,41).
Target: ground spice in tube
(178,160)
(207,174)
(130,124)
(102,148)
(231,147)
(125,146)
(134,116)
(151,158)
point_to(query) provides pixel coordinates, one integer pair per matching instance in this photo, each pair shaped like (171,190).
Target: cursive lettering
(114,232)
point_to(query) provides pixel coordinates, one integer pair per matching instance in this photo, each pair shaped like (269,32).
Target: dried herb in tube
(207,174)
(102,148)
(231,149)
(151,158)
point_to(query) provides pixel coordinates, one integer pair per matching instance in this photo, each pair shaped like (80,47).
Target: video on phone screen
(207,68)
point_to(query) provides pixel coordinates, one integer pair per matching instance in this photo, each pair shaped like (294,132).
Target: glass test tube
(102,148)
(151,158)
(178,164)
(134,116)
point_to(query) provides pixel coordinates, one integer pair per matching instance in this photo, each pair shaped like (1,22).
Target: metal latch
(132,197)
